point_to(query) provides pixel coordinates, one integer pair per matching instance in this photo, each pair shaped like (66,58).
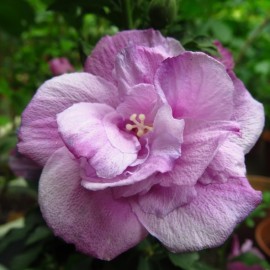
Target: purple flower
(226,55)
(59,66)
(23,166)
(237,250)
(149,139)
(242,266)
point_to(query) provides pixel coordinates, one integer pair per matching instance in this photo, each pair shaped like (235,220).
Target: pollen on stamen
(133,117)
(139,125)
(140,133)
(129,127)
(142,117)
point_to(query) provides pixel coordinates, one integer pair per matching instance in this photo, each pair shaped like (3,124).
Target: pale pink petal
(207,220)
(141,99)
(196,86)
(38,139)
(135,65)
(96,223)
(167,136)
(160,201)
(201,145)
(130,177)
(101,61)
(202,140)
(165,147)
(229,161)
(38,135)
(246,246)
(143,153)
(91,130)
(139,187)
(249,113)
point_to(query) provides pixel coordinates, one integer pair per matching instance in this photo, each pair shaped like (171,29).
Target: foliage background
(34,31)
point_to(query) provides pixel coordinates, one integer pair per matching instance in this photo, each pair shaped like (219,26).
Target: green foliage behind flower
(36,31)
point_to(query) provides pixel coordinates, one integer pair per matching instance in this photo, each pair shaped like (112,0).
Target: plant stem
(128,12)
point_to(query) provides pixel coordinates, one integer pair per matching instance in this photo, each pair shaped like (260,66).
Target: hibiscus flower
(149,139)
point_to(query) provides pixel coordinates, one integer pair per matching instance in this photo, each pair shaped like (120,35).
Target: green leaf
(221,31)
(184,260)
(70,6)
(4,120)
(266,197)
(251,259)
(5,88)
(250,223)
(144,264)
(21,234)
(263,67)
(201,266)
(40,233)
(24,260)
(2,267)
(73,11)
(12,236)
(5,228)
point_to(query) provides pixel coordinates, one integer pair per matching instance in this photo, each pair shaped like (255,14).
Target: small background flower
(60,66)
(246,249)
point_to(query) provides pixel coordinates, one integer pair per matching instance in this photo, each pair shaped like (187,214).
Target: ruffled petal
(139,187)
(202,140)
(167,136)
(229,161)
(206,221)
(141,99)
(196,86)
(96,223)
(249,113)
(135,65)
(160,201)
(38,133)
(39,139)
(165,148)
(131,177)
(91,130)
(101,61)
(247,110)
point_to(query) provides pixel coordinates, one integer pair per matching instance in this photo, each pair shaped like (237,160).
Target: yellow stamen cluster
(139,125)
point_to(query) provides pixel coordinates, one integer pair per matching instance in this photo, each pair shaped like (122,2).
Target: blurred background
(40,39)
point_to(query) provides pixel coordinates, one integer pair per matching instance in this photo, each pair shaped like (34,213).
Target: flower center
(139,125)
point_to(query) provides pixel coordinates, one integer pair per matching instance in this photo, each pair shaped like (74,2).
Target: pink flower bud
(60,66)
